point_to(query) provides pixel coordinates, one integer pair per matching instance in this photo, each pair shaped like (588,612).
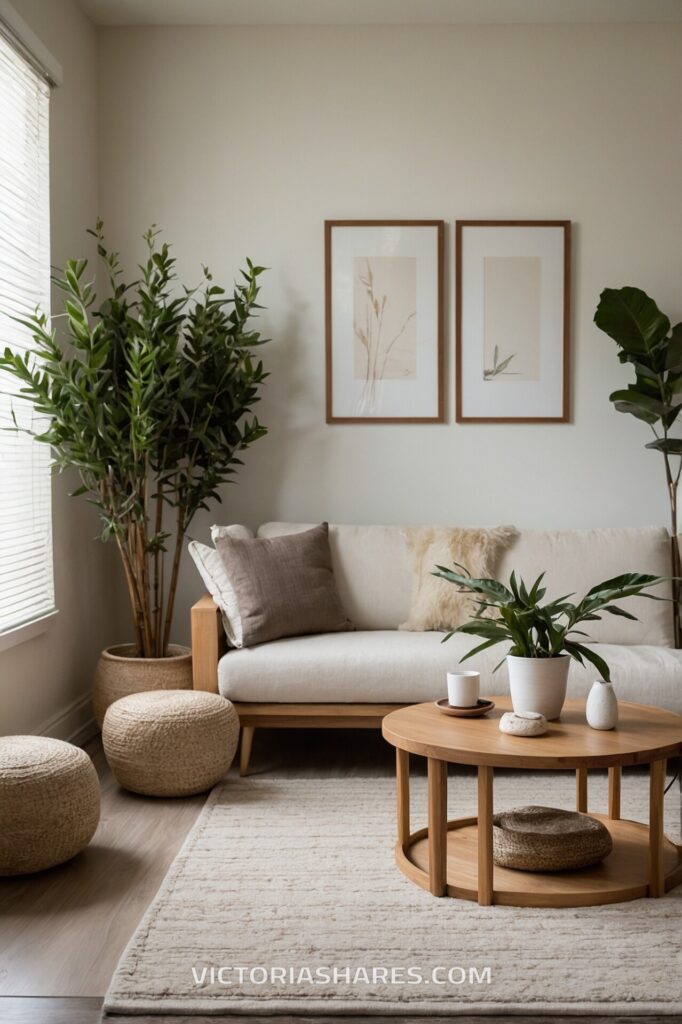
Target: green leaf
(489,628)
(638,411)
(479,648)
(536,591)
(575,651)
(495,591)
(637,403)
(669,445)
(626,585)
(643,372)
(632,319)
(590,655)
(501,367)
(613,609)
(673,355)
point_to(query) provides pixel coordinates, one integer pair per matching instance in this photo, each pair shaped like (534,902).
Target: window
(26,574)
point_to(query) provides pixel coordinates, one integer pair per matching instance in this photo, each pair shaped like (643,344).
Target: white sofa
(334,678)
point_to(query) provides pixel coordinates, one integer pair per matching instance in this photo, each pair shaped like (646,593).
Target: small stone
(525,723)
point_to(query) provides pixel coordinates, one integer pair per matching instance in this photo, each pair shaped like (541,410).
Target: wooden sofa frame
(208,646)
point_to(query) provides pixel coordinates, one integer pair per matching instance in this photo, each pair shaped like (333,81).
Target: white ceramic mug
(463,689)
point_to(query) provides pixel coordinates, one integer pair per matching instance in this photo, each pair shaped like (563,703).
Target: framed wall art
(513,321)
(384,321)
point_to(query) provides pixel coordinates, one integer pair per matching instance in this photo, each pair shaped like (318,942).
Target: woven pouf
(170,742)
(49,803)
(546,839)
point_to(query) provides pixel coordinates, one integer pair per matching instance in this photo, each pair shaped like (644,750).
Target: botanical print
(511,337)
(384,322)
(498,367)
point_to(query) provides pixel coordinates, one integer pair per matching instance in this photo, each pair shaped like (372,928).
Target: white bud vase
(602,707)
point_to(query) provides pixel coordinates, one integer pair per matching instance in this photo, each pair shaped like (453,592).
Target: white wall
(242,141)
(45,682)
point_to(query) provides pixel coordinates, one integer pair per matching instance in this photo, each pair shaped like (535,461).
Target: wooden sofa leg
(245,753)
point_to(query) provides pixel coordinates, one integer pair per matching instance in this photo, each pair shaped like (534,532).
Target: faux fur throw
(437,604)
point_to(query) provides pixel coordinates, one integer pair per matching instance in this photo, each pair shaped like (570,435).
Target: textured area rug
(285,899)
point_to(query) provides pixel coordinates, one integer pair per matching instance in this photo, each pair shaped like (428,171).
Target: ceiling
(378,12)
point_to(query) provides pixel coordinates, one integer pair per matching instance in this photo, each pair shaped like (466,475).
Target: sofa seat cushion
(388,666)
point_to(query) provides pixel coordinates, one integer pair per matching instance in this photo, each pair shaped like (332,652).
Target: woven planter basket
(119,674)
(49,803)
(546,839)
(170,742)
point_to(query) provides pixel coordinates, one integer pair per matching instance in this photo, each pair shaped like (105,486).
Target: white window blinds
(26,576)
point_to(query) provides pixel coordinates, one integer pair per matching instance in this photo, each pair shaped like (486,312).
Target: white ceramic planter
(538,684)
(601,709)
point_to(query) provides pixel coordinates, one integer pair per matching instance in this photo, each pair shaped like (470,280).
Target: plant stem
(134,596)
(388,350)
(143,541)
(179,541)
(158,572)
(106,492)
(672,483)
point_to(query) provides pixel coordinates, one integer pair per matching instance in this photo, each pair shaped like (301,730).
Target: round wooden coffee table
(455,858)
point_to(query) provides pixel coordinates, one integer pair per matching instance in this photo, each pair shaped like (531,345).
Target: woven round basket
(49,803)
(119,673)
(170,742)
(546,839)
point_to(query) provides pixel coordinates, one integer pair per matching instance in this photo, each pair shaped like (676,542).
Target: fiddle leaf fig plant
(147,394)
(515,616)
(653,348)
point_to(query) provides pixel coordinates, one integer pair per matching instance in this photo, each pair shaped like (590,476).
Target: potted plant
(542,637)
(646,340)
(146,394)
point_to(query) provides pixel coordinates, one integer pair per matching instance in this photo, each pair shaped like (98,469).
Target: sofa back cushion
(214,574)
(576,560)
(284,586)
(437,604)
(373,571)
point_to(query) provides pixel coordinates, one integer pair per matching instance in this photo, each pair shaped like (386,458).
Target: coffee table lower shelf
(623,875)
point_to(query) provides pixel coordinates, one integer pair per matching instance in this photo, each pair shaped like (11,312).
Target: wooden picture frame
(368,380)
(527,303)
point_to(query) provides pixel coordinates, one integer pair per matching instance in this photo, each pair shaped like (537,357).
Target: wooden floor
(62,932)
(87,1011)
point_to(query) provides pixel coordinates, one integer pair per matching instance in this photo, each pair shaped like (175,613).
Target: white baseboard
(74,723)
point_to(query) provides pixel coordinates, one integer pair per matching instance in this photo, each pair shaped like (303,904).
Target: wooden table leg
(402,775)
(581,790)
(656,787)
(438,790)
(614,792)
(485,836)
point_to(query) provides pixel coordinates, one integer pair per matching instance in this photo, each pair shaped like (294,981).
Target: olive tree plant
(147,394)
(653,348)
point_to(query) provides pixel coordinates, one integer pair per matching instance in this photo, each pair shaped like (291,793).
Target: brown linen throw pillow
(284,586)
(437,604)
